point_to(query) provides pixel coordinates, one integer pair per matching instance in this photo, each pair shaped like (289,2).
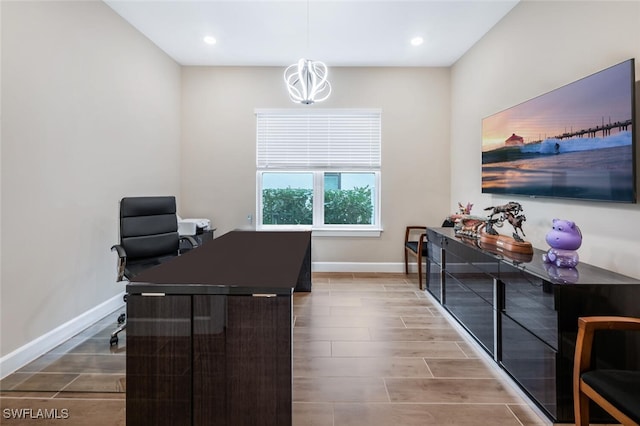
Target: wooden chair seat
(616,391)
(413,246)
(620,386)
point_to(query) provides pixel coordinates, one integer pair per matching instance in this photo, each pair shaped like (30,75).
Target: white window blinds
(331,139)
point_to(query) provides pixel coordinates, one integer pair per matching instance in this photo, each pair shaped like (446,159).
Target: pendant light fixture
(307,79)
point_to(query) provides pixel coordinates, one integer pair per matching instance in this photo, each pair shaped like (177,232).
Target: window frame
(374,143)
(318,226)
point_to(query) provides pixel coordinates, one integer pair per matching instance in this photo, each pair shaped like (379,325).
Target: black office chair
(148,237)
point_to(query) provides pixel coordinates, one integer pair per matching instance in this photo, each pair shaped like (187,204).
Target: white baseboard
(389,267)
(43,344)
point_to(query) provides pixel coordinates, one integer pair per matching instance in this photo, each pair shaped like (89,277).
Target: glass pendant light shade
(307,81)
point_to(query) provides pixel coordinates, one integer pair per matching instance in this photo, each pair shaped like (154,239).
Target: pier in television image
(574,142)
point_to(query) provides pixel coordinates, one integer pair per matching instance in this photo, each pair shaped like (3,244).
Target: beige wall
(537,47)
(91,113)
(218,178)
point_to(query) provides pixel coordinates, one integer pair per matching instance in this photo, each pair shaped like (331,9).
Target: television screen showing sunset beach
(573,142)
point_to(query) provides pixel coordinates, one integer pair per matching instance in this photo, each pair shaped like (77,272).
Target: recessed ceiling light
(209,40)
(417,41)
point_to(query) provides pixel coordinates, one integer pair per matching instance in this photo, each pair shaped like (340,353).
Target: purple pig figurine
(565,238)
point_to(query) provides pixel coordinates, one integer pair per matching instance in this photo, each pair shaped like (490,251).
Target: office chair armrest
(122,254)
(190,239)
(122,260)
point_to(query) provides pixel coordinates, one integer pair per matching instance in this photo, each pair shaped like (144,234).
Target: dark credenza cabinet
(526,317)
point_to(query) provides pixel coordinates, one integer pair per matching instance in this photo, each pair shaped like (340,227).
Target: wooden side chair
(415,244)
(616,391)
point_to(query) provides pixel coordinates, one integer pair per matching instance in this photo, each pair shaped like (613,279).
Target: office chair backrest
(149,227)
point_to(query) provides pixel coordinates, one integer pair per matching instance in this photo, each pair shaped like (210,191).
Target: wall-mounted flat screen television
(577,141)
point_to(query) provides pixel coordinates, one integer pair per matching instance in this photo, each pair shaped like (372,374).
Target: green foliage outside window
(294,206)
(348,206)
(288,206)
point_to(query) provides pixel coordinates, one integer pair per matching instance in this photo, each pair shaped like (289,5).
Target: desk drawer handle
(264,295)
(152,294)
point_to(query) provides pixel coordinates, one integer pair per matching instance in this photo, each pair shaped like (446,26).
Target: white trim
(358,267)
(349,232)
(329,230)
(325,232)
(390,267)
(43,344)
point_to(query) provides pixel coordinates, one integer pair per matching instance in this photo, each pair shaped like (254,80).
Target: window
(319,169)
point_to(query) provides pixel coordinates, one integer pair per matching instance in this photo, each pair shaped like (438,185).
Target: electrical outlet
(250,218)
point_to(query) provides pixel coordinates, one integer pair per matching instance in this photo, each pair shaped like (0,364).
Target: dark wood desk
(209,333)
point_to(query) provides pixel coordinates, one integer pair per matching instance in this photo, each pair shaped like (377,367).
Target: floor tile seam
(404,378)
(68,399)
(101,354)
(464,352)
(114,395)
(390,327)
(390,341)
(13,388)
(380,341)
(55,373)
(110,354)
(514,415)
(497,404)
(91,370)
(106,373)
(427,365)
(347,376)
(48,373)
(68,384)
(28,397)
(390,357)
(404,322)
(382,357)
(386,389)
(452,379)
(388,295)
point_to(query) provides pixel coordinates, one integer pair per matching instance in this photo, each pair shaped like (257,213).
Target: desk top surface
(239,262)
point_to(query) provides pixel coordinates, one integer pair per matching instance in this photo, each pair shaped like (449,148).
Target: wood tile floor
(369,349)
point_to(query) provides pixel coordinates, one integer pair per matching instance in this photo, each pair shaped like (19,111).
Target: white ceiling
(340,32)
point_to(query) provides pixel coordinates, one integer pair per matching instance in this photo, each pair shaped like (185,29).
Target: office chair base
(114,336)
(122,319)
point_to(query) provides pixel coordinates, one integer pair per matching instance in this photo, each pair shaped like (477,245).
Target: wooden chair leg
(420,272)
(581,409)
(406,262)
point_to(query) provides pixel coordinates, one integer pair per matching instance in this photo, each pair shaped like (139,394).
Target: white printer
(193,226)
